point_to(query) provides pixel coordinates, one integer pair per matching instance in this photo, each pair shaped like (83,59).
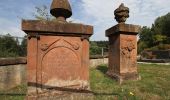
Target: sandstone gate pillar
(122,47)
(58,55)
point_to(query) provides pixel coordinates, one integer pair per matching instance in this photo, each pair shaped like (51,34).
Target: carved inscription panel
(60,63)
(128,53)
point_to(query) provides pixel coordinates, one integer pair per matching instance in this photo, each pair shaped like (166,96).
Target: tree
(9,47)
(161,28)
(97,46)
(23,47)
(42,13)
(146,35)
(161,25)
(157,35)
(94,49)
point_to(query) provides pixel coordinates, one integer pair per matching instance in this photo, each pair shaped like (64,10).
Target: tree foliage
(97,46)
(23,47)
(162,25)
(157,35)
(10,47)
(42,13)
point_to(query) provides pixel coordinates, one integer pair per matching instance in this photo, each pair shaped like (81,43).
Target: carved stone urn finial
(61,9)
(121,13)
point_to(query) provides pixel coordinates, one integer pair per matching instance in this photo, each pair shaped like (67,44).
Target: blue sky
(99,13)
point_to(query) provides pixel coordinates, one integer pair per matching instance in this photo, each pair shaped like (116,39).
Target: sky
(98,13)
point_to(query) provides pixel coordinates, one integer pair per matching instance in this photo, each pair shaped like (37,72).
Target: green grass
(17,93)
(154,85)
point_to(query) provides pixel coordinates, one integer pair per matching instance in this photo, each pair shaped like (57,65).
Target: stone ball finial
(61,9)
(121,13)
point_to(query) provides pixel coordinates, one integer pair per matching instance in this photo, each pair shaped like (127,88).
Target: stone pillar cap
(53,28)
(123,29)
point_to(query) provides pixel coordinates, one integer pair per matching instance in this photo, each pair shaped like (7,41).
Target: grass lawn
(155,85)
(17,93)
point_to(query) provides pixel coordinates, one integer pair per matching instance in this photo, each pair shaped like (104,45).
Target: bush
(161,47)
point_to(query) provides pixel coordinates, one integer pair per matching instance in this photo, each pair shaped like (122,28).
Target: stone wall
(155,54)
(162,54)
(96,62)
(13,71)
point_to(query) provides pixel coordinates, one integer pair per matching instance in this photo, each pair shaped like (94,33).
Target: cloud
(99,13)
(13,12)
(142,12)
(102,14)
(7,26)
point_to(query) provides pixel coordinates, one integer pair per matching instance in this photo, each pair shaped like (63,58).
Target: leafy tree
(23,47)
(159,39)
(161,29)
(146,38)
(103,44)
(157,35)
(161,25)
(9,47)
(94,49)
(146,35)
(141,46)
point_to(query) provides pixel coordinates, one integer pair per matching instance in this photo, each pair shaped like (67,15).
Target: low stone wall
(154,60)
(11,76)
(162,54)
(96,62)
(13,71)
(155,54)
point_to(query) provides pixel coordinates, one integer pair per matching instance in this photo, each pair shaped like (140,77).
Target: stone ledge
(12,61)
(66,96)
(154,60)
(123,77)
(123,29)
(55,28)
(98,56)
(23,60)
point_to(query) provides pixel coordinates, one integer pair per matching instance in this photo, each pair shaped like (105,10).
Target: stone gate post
(58,56)
(123,47)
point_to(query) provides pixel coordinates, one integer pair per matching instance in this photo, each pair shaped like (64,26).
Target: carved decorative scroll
(45,46)
(127,48)
(75,45)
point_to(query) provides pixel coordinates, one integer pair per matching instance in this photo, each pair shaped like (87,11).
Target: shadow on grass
(12,94)
(102,68)
(106,94)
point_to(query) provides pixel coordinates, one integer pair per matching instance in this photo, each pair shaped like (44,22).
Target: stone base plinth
(122,77)
(66,96)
